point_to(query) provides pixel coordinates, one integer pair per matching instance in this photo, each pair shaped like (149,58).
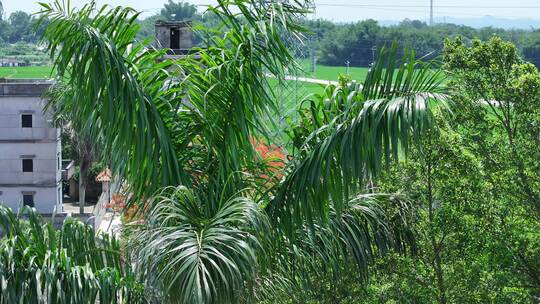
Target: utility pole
(313,40)
(430,12)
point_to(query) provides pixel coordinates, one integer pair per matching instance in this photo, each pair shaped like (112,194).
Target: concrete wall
(41,143)
(45,199)
(45,158)
(163,37)
(186,38)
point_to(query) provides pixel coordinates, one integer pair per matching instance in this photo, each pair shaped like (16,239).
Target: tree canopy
(179,11)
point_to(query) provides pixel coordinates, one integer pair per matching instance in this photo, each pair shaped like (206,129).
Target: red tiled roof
(104,176)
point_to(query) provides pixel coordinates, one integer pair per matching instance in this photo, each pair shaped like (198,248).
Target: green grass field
(292,95)
(332,72)
(25,72)
(322,72)
(289,98)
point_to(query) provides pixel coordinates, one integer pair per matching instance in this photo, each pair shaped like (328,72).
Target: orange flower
(272,155)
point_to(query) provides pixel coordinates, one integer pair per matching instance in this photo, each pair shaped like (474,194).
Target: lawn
(293,94)
(290,95)
(322,72)
(26,72)
(332,72)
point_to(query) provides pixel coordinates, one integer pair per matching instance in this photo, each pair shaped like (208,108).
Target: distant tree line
(332,43)
(22,27)
(358,42)
(19,26)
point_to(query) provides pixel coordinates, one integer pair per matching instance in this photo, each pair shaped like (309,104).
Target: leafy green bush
(70,265)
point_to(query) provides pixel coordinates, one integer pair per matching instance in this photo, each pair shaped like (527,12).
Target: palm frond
(165,122)
(118,90)
(227,87)
(394,76)
(351,239)
(372,123)
(194,255)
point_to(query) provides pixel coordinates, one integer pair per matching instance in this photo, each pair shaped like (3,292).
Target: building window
(28,165)
(26,120)
(28,200)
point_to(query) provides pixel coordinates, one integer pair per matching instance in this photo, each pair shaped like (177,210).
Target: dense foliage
(358,43)
(218,232)
(19,27)
(474,184)
(388,193)
(333,43)
(39,264)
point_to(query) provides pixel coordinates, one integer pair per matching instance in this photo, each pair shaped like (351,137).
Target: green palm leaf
(371,123)
(190,123)
(351,239)
(157,118)
(117,89)
(194,255)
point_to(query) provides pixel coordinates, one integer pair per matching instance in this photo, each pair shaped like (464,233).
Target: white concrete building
(30,148)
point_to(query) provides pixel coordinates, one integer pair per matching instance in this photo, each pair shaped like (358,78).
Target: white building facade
(30,148)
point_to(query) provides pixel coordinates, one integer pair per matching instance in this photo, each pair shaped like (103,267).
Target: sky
(353,10)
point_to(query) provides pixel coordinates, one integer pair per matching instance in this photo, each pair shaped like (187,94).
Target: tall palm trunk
(82,191)
(86,158)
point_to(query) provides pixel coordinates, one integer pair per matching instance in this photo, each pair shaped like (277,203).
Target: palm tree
(352,128)
(60,102)
(179,133)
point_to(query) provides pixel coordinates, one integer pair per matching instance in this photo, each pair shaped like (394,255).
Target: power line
(409,8)
(419,10)
(428,6)
(397,6)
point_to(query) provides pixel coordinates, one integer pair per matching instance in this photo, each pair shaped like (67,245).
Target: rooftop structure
(175,36)
(12,62)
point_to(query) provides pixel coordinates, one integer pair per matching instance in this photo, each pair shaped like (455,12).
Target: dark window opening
(175,39)
(28,165)
(28,200)
(26,120)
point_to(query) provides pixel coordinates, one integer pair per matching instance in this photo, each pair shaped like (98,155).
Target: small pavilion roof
(104,176)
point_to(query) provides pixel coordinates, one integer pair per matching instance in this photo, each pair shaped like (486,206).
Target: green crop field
(26,72)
